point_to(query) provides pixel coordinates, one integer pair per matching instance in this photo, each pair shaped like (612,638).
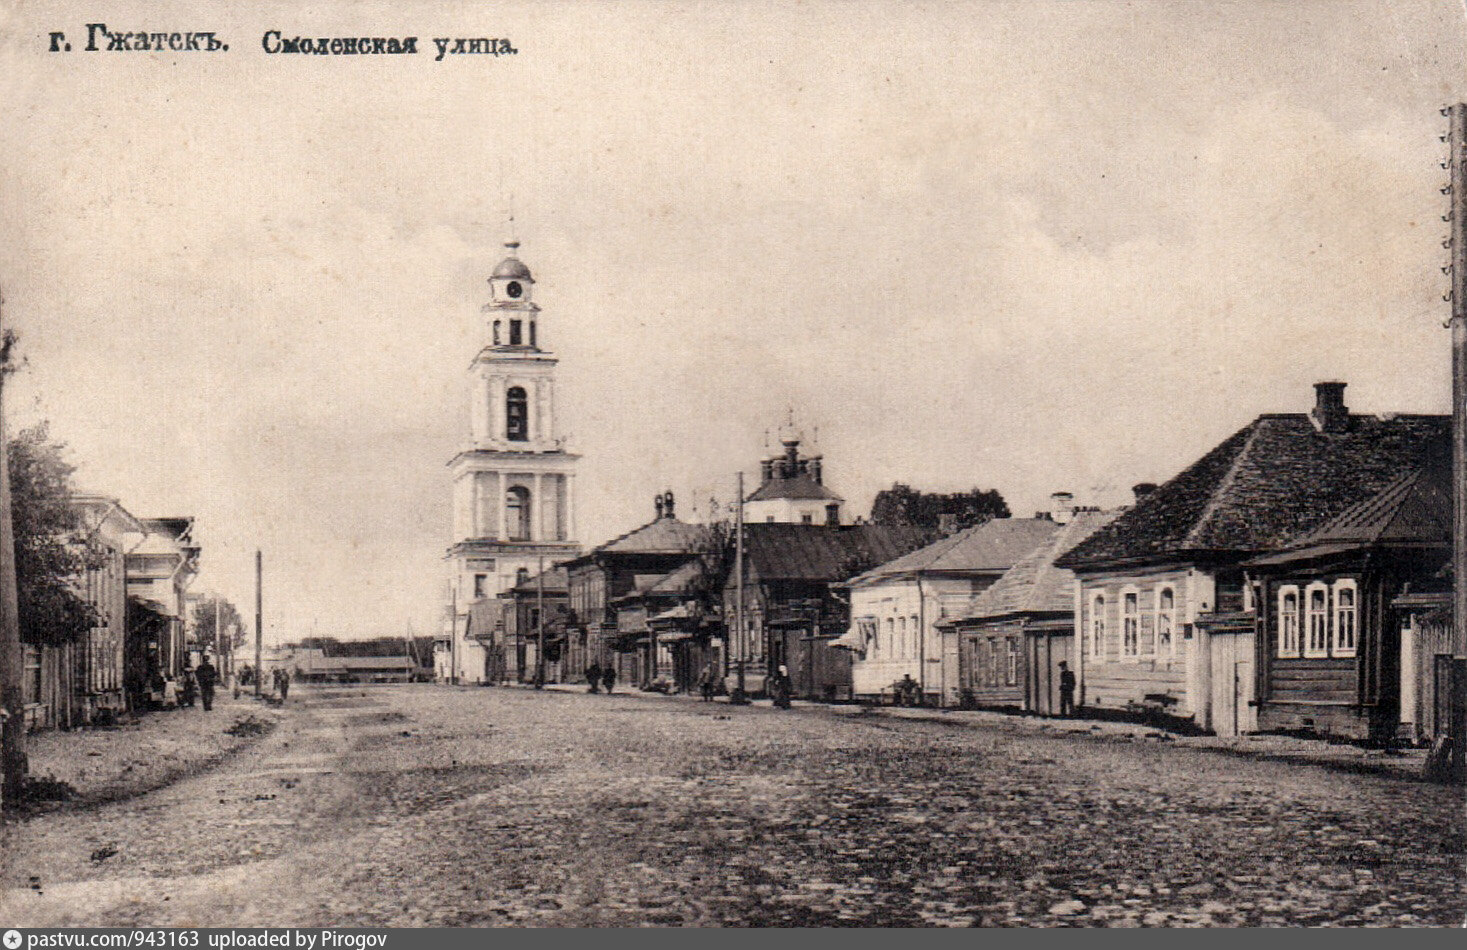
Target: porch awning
(674,636)
(857,635)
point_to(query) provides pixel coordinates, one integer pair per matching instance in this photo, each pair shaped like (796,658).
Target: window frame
(1170,613)
(1097,625)
(516,410)
(1290,647)
(1130,622)
(1337,612)
(1310,651)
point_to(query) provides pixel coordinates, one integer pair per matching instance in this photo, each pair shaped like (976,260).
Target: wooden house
(791,616)
(1330,613)
(1004,650)
(596,579)
(1163,611)
(897,605)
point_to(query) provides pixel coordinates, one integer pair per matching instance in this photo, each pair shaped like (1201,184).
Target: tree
(229,624)
(50,554)
(901,505)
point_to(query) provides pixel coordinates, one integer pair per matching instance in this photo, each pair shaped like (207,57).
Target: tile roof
(799,487)
(991,547)
(1035,584)
(1264,486)
(821,552)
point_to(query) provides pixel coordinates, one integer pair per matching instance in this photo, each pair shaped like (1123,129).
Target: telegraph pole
(12,691)
(740,637)
(540,626)
(259,622)
(1457,162)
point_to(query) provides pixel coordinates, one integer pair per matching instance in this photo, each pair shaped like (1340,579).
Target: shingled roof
(663,536)
(1414,509)
(1268,483)
(1035,585)
(991,547)
(807,552)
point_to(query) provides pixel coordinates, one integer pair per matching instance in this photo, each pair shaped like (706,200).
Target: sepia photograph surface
(692,464)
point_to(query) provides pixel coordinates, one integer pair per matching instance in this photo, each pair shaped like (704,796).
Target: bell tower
(514,480)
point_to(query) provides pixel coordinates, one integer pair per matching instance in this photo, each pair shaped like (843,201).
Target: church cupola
(511,310)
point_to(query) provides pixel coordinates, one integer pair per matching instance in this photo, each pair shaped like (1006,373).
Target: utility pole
(453,632)
(740,637)
(259,622)
(1457,162)
(12,671)
(540,626)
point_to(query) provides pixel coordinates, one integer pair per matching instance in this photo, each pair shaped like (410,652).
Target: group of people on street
(598,676)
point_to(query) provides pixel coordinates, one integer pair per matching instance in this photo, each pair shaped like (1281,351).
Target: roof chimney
(667,504)
(1062,506)
(1330,414)
(1142,489)
(766,469)
(657,500)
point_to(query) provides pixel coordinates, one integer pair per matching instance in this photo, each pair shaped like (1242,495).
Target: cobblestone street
(436,806)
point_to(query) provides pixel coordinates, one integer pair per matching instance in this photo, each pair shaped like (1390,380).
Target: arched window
(516,415)
(532,332)
(496,331)
(1166,613)
(902,649)
(916,637)
(1097,626)
(1316,619)
(517,513)
(516,332)
(1345,614)
(1130,622)
(1288,621)
(521,575)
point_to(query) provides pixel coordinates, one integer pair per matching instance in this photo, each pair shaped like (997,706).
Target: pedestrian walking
(593,676)
(779,688)
(188,688)
(706,683)
(207,677)
(1067,690)
(608,677)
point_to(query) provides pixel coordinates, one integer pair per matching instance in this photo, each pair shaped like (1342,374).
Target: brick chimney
(657,500)
(667,505)
(1329,413)
(1062,507)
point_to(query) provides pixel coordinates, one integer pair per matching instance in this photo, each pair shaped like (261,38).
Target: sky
(1033,246)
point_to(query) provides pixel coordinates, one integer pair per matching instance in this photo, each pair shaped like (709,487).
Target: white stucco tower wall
(513,480)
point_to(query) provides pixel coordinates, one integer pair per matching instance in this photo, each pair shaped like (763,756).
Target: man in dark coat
(593,676)
(1067,690)
(608,677)
(207,677)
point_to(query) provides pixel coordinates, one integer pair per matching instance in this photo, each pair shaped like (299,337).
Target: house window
(1012,676)
(890,635)
(1166,612)
(769,520)
(516,415)
(481,584)
(1130,622)
(517,513)
(902,648)
(807,518)
(515,332)
(532,332)
(521,575)
(1345,632)
(1288,621)
(1316,620)
(496,332)
(1097,626)
(916,638)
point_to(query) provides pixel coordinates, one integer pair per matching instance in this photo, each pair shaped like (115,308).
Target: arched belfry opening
(517,513)
(516,415)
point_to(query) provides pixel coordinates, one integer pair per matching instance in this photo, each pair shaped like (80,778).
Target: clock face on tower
(514,289)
